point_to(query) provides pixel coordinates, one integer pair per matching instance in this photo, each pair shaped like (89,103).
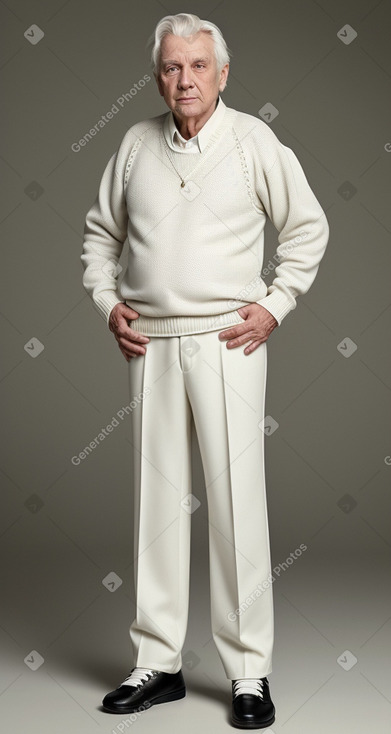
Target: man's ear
(223,77)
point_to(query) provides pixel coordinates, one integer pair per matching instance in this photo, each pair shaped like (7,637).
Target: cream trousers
(224,390)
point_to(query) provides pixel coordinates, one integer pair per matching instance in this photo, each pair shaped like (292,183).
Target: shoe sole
(164,698)
(251,724)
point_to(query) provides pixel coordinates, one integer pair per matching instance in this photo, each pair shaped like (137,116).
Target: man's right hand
(129,340)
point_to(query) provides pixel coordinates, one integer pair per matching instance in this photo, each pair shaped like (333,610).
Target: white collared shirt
(199,142)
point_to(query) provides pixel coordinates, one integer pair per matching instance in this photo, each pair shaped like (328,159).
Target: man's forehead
(196,45)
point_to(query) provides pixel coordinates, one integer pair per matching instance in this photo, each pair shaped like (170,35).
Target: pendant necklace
(183,179)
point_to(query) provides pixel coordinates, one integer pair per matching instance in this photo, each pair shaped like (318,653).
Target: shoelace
(248,685)
(138,676)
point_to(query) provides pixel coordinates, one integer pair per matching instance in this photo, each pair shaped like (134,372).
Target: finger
(232,333)
(129,355)
(240,340)
(131,346)
(135,335)
(252,347)
(127,337)
(141,338)
(125,355)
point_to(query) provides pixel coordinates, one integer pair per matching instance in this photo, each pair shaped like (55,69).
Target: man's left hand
(257,328)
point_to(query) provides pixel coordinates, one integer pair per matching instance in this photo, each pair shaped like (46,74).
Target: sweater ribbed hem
(183,325)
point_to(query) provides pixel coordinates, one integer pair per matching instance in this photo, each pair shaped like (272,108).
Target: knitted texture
(195,253)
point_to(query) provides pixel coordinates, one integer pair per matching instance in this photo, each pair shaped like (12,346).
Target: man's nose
(185,79)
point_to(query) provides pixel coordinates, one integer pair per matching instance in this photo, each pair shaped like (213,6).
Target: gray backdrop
(66,530)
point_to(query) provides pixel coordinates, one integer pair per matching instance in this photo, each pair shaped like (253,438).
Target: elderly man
(191,189)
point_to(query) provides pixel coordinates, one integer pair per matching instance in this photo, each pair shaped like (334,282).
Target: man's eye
(173,68)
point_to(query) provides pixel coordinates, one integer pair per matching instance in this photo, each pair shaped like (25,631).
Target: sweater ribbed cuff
(105,302)
(277,304)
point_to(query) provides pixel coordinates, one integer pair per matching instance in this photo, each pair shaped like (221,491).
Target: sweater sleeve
(303,229)
(105,232)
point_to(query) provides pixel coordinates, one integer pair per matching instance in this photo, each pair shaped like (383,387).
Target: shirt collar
(202,138)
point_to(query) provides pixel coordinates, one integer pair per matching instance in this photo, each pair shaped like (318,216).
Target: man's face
(188,78)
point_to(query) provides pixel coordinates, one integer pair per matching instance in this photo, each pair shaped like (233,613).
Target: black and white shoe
(144,688)
(252,707)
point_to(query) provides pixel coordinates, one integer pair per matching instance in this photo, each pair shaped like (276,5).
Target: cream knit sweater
(195,253)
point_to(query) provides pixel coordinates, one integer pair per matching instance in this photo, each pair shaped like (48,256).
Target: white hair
(186,24)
